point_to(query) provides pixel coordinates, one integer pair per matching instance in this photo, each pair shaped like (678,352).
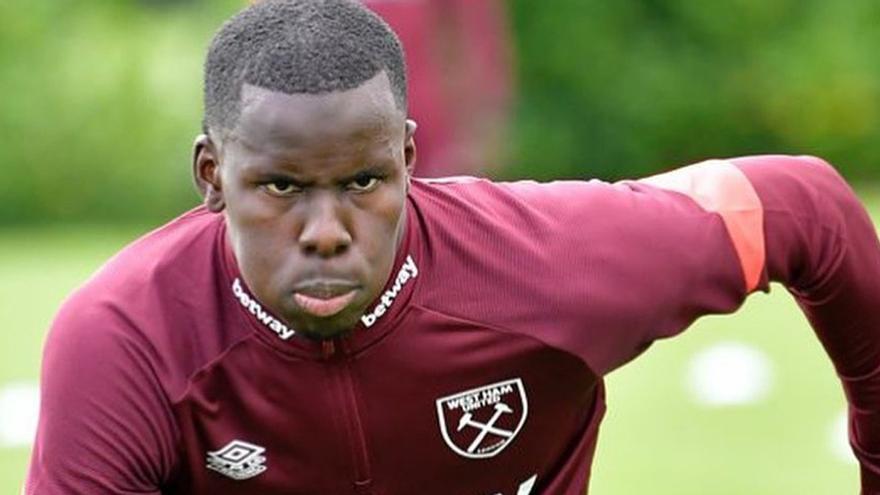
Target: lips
(323,299)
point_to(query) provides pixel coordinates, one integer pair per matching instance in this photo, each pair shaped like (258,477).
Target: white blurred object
(840,439)
(729,374)
(19,409)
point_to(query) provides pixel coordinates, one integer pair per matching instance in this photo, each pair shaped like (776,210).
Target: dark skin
(313,189)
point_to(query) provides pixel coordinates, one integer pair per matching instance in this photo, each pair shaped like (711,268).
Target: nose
(324,231)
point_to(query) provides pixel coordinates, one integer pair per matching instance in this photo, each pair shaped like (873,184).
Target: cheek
(380,225)
(247,208)
(253,216)
(257,233)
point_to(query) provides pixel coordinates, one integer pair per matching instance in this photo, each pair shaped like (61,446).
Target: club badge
(479,423)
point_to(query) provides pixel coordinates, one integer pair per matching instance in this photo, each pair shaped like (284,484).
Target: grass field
(657,438)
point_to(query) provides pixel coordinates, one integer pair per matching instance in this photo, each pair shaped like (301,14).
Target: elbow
(813,219)
(840,204)
(807,187)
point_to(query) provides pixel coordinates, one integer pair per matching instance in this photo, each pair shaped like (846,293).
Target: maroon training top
(478,371)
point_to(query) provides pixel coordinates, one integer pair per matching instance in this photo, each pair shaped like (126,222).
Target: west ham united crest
(479,423)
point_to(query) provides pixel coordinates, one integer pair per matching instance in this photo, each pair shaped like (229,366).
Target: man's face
(313,188)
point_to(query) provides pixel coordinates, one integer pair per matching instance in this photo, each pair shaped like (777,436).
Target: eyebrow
(379,169)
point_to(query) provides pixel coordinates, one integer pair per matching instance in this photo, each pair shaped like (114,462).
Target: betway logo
(408,271)
(256,309)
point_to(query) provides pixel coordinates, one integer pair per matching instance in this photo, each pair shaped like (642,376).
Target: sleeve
(822,245)
(794,220)
(105,425)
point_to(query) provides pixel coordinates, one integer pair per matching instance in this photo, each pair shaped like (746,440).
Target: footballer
(327,324)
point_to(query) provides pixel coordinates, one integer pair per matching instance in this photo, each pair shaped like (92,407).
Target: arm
(822,246)
(820,243)
(104,425)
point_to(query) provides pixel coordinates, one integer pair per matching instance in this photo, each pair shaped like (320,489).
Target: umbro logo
(238,460)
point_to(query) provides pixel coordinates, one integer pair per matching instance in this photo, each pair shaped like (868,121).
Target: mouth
(324,298)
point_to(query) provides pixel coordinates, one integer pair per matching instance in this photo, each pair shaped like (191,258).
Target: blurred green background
(101,99)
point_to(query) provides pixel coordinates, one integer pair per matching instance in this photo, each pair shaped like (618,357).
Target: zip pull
(328,349)
(363,487)
(344,345)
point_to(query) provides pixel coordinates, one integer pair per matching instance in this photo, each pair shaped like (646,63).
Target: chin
(326,328)
(321,336)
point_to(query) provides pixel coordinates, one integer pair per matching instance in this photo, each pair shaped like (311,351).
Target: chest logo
(238,460)
(481,422)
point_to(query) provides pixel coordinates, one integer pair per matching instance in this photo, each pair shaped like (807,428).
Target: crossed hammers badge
(481,422)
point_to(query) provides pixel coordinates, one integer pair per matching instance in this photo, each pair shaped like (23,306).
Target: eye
(281,188)
(364,183)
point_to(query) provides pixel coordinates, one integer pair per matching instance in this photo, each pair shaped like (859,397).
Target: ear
(409,146)
(206,173)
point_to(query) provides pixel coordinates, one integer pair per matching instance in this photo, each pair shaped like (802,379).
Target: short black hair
(298,46)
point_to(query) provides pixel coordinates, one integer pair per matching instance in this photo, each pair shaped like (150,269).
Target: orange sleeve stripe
(719,186)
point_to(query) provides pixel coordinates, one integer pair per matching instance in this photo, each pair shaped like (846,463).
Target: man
(327,325)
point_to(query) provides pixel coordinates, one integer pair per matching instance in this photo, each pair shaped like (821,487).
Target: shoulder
(186,238)
(155,302)
(121,351)
(514,210)
(158,267)
(512,254)
(535,218)
(546,258)
(473,192)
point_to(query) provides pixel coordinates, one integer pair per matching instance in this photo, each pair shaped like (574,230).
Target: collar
(381,316)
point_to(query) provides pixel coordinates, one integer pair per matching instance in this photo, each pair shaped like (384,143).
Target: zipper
(338,355)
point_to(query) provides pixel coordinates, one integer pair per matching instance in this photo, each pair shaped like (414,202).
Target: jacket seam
(207,366)
(505,330)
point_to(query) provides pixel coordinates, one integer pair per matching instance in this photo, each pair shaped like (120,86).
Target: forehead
(272,121)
